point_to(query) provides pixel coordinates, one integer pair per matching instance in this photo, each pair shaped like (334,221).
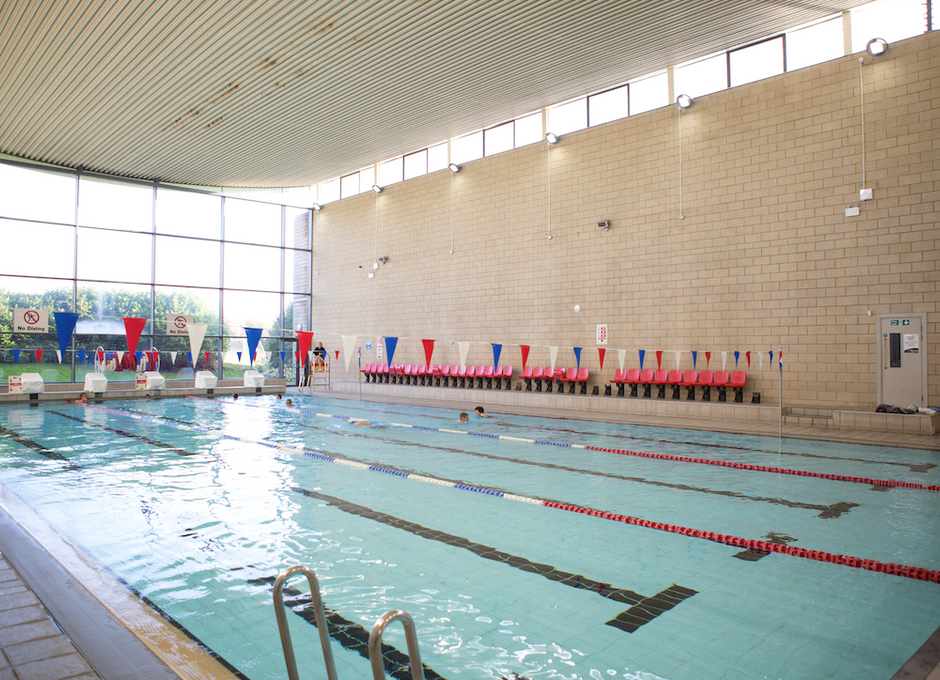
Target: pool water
(452,529)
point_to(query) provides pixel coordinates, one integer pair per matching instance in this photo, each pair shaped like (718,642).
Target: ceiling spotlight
(876,47)
(684,101)
(551,138)
(317,206)
(453,167)
(376,188)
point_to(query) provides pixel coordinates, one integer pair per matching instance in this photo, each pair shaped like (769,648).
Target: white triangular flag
(621,356)
(197,331)
(173,357)
(349,344)
(464,349)
(724,360)
(553,352)
(678,358)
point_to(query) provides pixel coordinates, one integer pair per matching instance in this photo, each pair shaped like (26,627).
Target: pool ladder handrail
(375,644)
(284,629)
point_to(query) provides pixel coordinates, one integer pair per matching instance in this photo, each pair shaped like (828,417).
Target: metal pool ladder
(375,638)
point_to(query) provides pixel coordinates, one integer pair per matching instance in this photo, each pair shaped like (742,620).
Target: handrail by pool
(375,644)
(284,629)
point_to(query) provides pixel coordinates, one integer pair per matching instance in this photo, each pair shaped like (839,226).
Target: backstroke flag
(464,348)
(349,344)
(390,345)
(304,338)
(601,351)
(525,355)
(553,353)
(577,356)
(253,335)
(197,332)
(133,327)
(621,357)
(497,350)
(64,326)
(642,357)
(428,352)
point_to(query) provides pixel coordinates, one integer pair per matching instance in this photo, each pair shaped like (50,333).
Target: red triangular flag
(748,355)
(207,359)
(38,356)
(708,358)
(337,354)
(600,354)
(100,357)
(304,339)
(134,327)
(428,351)
(525,355)
(659,359)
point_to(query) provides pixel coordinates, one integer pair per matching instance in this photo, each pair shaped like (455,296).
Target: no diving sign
(178,324)
(30,320)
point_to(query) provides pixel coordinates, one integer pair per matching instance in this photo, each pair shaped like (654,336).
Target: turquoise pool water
(200,525)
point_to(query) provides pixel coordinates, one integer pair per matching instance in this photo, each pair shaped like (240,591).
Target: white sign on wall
(15,384)
(30,320)
(176,324)
(602,334)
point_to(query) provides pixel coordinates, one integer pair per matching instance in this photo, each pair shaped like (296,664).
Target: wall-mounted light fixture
(684,101)
(453,167)
(552,138)
(876,47)
(376,188)
(604,224)
(317,206)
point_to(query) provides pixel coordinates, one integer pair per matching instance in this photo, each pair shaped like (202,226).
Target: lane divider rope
(624,452)
(918,573)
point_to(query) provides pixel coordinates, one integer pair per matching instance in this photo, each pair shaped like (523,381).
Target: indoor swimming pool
(541,547)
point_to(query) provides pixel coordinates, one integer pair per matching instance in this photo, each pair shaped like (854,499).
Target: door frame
(879,352)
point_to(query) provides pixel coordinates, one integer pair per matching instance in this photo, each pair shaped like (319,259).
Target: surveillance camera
(604,224)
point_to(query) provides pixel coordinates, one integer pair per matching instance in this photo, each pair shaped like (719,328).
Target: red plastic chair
(507,376)
(462,374)
(738,378)
(471,374)
(367,371)
(705,382)
(406,374)
(633,380)
(538,375)
(420,373)
(659,379)
(489,373)
(480,376)
(646,379)
(689,381)
(721,382)
(454,373)
(551,376)
(526,377)
(675,378)
(582,379)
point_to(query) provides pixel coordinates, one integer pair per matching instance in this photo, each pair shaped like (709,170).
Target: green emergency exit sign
(900,322)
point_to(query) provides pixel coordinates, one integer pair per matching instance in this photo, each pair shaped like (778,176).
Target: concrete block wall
(764,258)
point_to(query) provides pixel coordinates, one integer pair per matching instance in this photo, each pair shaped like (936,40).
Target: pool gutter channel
(109,644)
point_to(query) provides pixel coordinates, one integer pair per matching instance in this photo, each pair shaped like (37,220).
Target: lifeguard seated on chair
(319,357)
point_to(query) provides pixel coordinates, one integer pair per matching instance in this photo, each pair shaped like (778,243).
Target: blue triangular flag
(253,335)
(771,358)
(81,356)
(390,345)
(138,356)
(497,350)
(65,326)
(239,354)
(642,357)
(694,359)
(282,356)
(16,356)
(191,357)
(737,355)
(577,356)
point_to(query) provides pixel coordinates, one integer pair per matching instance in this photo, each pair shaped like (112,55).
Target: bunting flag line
(553,353)
(173,357)
(193,363)
(304,338)
(16,356)
(525,355)
(497,350)
(138,356)
(81,356)
(760,355)
(708,360)
(659,359)
(349,344)
(621,357)
(100,357)
(601,351)
(196,332)
(390,345)
(694,360)
(428,352)
(771,359)
(64,327)
(282,356)
(206,355)
(336,354)
(724,359)
(642,357)
(780,359)
(678,358)
(133,327)
(120,357)
(737,355)
(38,356)
(577,356)
(253,335)
(748,355)
(464,347)
(238,354)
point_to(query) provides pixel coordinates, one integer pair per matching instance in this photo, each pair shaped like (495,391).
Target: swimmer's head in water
(464,418)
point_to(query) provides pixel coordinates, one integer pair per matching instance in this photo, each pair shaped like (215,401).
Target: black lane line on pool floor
(644,609)
(349,634)
(914,467)
(131,435)
(825,511)
(38,448)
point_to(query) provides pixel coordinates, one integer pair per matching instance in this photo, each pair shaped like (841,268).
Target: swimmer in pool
(83,399)
(279,397)
(479,411)
(235,397)
(289,403)
(464,418)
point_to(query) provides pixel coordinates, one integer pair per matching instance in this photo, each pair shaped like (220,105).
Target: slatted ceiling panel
(287,92)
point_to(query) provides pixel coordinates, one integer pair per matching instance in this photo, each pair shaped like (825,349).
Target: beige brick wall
(765,257)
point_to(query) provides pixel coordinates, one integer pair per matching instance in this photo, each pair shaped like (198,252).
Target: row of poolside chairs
(439,376)
(661,379)
(558,376)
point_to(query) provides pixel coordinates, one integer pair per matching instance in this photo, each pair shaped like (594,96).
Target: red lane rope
(764,468)
(917,573)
